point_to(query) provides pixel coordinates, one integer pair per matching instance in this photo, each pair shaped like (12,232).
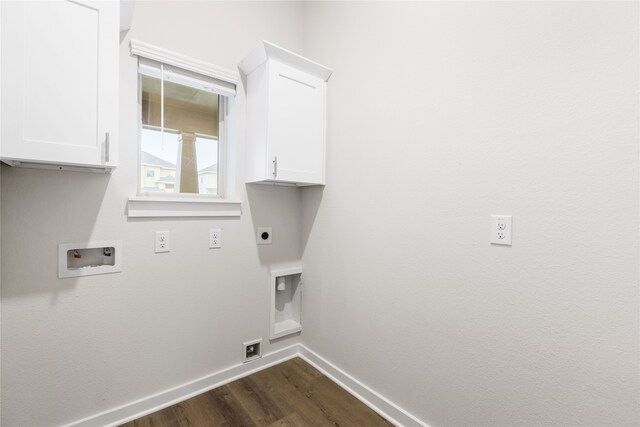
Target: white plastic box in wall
(59,88)
(89,258)
(286,302)
(286,117)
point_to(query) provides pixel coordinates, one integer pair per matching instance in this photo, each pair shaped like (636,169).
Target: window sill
(166,207)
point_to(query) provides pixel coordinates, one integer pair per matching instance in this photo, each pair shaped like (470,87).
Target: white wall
(75,347)
(439,115)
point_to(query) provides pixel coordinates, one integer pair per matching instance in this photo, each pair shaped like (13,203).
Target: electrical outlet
(162,241)
(215,238)
(264,235)
(500,230)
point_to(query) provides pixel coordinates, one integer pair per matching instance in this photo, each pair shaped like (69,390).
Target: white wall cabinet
(286,105)
(59,84)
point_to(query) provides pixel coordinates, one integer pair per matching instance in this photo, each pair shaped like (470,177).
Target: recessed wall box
(286,302)
(87,259)
(251,350)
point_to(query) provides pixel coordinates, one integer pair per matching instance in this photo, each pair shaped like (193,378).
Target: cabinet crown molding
(267,50)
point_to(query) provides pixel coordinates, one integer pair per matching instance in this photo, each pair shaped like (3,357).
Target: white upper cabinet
(286,101)
(59,84)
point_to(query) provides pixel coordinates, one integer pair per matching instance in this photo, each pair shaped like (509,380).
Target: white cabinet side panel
(257,104)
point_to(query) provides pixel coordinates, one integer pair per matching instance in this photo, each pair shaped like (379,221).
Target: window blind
(163,64)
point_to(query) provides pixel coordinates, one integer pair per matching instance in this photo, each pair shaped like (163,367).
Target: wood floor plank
(291,420)
(292,393)
(201,410)
(257,402)
(230,408)
(344,406)
(180,415)
(163,418)
(289,398)
(301,386)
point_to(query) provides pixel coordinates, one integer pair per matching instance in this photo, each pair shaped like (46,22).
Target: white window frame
(223,204)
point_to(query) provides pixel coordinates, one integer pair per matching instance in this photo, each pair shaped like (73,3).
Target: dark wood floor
(292,393)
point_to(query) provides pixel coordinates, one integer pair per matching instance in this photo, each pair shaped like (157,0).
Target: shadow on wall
(311,198)
(281,208)
(40,209)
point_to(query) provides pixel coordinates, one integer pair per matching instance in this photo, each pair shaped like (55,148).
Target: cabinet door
(296,124)
(59,81)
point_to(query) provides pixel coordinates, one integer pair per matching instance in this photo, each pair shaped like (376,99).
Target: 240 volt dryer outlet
(264,235)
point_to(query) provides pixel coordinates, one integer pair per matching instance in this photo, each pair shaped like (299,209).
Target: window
(180,137)
(185,106)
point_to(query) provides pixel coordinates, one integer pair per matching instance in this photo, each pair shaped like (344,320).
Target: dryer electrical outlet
(264,235)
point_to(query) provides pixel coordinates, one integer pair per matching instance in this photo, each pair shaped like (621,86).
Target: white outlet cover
(162,241)
(260,235)
(501,230)
(215,238)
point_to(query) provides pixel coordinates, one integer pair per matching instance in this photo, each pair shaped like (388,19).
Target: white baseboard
(383,406)
(164,399)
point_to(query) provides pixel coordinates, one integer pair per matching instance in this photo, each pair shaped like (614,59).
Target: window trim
(163,207)
(223,204)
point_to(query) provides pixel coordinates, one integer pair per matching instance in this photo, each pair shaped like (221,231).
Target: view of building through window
(160,159)
(179,140)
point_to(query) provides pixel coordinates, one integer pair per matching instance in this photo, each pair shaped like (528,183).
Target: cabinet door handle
(275,167)
(106,147)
